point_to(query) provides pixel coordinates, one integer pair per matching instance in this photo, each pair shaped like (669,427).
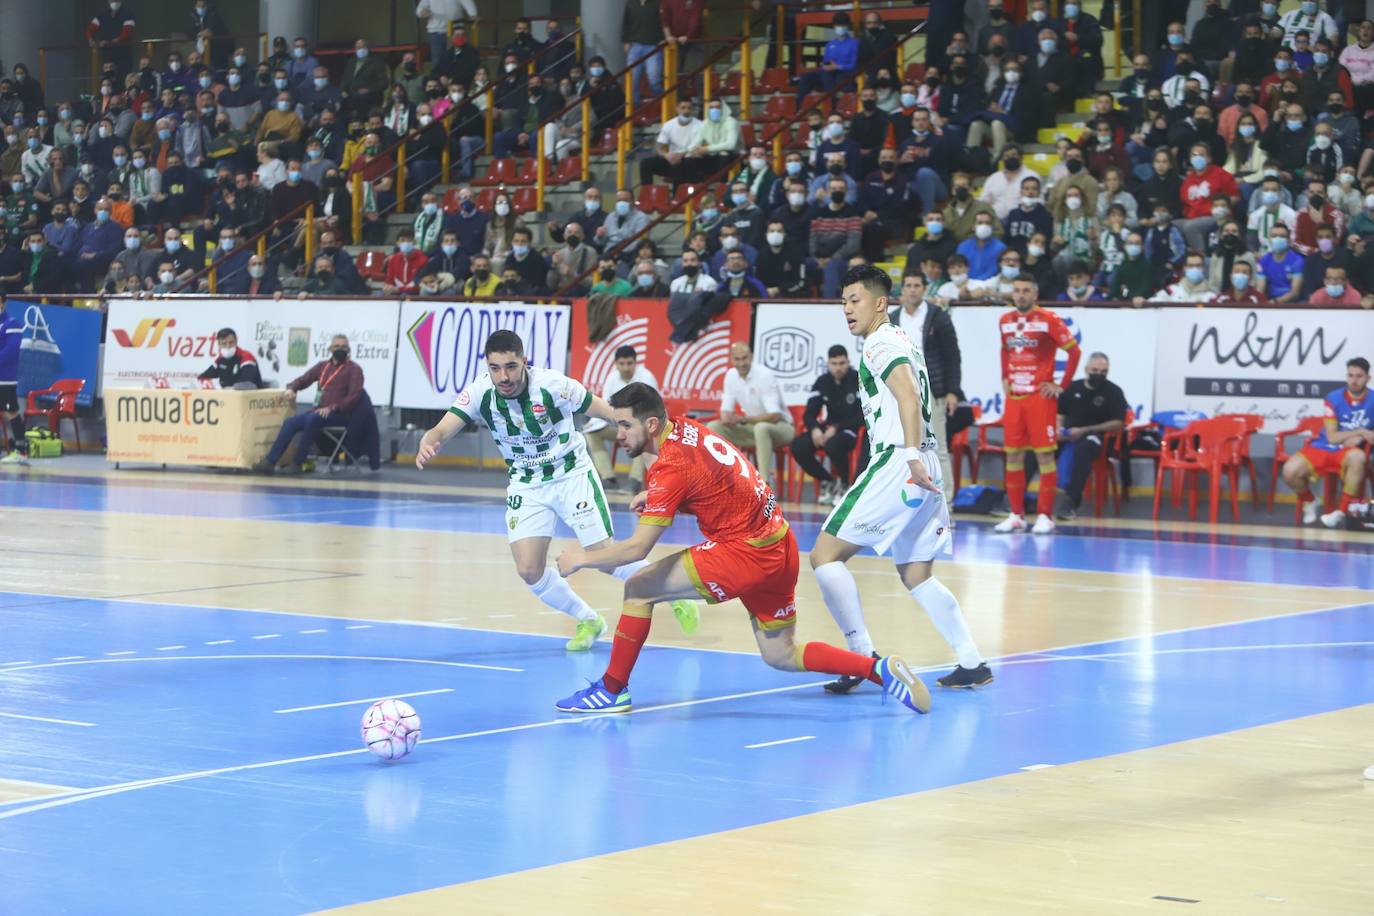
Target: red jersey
(1029,343)
(700,473)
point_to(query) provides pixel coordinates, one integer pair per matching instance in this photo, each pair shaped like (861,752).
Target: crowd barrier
(1276,362)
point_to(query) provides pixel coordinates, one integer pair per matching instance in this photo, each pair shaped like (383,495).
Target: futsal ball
(391,729)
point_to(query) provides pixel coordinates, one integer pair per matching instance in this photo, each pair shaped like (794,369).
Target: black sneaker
(962,677)
(846,683)
(264,467)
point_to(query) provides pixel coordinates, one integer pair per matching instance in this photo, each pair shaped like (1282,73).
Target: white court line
(394,696)
(500,616)
(165,649)
(750,747)
(7,664)
(1038,766)
(219,642)
(125,652)
(221,658)
(68,658)
(268,636)
(15,715)
(308,632)
(359,626)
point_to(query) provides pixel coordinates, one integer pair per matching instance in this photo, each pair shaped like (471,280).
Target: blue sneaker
(596,698)
(901,682)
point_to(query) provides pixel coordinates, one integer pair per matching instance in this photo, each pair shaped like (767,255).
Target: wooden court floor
(1267,819)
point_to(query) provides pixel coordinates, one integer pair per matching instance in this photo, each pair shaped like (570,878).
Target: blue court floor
(215,763)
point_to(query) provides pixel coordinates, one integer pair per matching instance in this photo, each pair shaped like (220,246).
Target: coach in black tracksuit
(837,392)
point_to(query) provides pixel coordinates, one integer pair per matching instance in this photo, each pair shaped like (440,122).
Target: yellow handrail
(587,139)
(687,219)
(445,157)
(401,177)
(777,153)
(310,236)
(357,204)
(621,148)
(746,80)
(490,116)
(539,169)
(262,246)
(210,279)
(778,27)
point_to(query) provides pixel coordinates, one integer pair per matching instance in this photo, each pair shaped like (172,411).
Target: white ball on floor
(391,729)
(1369,772)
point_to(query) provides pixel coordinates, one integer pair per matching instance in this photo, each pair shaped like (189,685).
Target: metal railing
(258,243)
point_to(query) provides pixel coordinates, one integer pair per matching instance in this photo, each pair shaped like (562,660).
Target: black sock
(17,430)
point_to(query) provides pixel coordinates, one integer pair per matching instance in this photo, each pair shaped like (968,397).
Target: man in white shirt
(1309,18)
(600,435)
(1271,211)
(764,422)
(1002,188)
(694,279)
(675,139)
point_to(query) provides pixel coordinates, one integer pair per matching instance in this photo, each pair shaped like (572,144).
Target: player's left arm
(636,548)
(901,381)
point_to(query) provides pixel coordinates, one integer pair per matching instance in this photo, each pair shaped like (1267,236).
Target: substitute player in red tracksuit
(1030,337)
(750,553)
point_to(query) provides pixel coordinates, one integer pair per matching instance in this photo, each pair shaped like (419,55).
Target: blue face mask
(739,200)
(1321,58)
(1335,290)
(1071,10)
(120,161)
(714,114)
(1198,163)
(405,247)
(520,250)
(33,143)
(1278,244)
(935,229)
(430,209)
(293,176)
(283,106)
(102,216)
(314,153)
(1009,272)
(622,207)
(794,168)
(645,280)
(908,100)
(449,250)
(597,71)
(1247,130)
(1193,274)
(709,214)
(146,116)
(1292,125)
(279,83)
(362,53)
(1048,45)
(1175,39)
(321,82)
(173,245)
(841,31)
(164,135)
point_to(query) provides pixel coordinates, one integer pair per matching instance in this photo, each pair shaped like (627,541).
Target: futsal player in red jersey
(1031,337)
(750,553)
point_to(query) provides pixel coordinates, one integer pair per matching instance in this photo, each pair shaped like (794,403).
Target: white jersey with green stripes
(883,351)
(534,430)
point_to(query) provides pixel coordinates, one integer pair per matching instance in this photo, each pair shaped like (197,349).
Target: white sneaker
(827,494)
(1043,524)
(1010,524)
(1334,519)
(1309,512)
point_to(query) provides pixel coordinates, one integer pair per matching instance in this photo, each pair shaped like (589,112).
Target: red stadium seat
(847,103)
(569,170)
(654,198)
(372,265)
(524,200)
(778,108)
(485,199)
(800,138)
(915,73)
(525,173)
(959,452)
(63,395)
(775,79)
(772,130)
(451,202)
(746,133)
(1208,447)
(733,79)
(499,172)
(606,145)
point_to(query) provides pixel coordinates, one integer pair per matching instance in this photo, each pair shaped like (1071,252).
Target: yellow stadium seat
(1051,134)
(1041,163)
(1083,106)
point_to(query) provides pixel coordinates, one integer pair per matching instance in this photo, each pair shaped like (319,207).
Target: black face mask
(1012,163)
(1335,108)
(1316,201)
(691,270)
(1230,242)
(932,81)
(870,104)
(1074,166)
(884,83)
(959,71)
(1155,104)
(1142,74)
(997,50)
(1244,100)
(837,196)
(340,354)
(1205,127)
(961,193)
(835,168)
(1097,378)
(324,276)
(573,240)
(1193,98)
(887,168)
(608,274)
(995,13)
(435,93)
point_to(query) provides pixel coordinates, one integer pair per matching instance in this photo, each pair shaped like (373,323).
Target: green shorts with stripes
(884,510)
(534,509)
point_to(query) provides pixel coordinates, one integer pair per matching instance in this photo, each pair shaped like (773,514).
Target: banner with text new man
(441,345)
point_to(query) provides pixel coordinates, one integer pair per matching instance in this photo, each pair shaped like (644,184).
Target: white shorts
(534,509)
(884,510)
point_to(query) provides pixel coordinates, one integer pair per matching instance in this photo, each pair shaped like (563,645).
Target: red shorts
(763,578)
(1028,422)
(1322,461)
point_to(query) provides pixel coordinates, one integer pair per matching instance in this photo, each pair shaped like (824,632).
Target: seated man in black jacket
(837,391)
(781,263)
(234,366)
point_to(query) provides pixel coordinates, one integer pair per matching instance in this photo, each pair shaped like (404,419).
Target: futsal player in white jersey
(897,505)
(530,412)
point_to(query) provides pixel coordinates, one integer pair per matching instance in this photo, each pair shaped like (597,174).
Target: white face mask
(1035,251)
(256,271)
(166,277)
(729,243)
(983,231)
(757,165)
(958,279)
(1073,203)
(796,198)
(502,208)
(775,239)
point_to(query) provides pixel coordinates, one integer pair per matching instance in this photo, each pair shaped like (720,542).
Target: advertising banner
(167,343)
(196,427)
(1126,336)
(692,375)
(1278,363)
(792,340)
(441,344)
(59,341)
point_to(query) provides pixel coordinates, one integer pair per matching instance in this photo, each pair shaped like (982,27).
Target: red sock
(630,633)
(1305,496)
(1346,500)
(828,659)
(1044,502)
(1016,490)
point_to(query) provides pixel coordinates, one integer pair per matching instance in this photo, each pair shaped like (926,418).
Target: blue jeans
(831,274)
(469,148)
(645,61)
(930,187)
(821,81)
(503,142)
(308,425)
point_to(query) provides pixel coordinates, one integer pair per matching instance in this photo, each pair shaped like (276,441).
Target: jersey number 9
(726,454)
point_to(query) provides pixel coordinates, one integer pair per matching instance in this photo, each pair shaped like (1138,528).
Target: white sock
(629,569)
(944,612)
(841,596)
(554,590)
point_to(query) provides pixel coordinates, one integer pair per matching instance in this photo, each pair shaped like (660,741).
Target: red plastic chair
(605,146)
(485,199)
(778,108)
(960,451)
(772,130)
(1307,428)
(525,173)
(524,200)
(1210,447)
(63,395)
(569,170)
(1248,424)
(986,447)
(732,83)
(747,134)
(451,201)
(499,172)
(654,198)
(915,73)
(847,103)
(372,265)
(774,79)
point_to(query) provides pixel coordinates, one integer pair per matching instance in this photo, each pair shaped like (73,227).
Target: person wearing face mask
(1192,287)
(1282,268)
(1309,18)
(608,283)
(758,176)
(1336,289)
(137,260)
(1229,250)
(1203,184)
(1052,73)
(1243,103)
(984,249)
(33,161)
(62,234)
(676,138)
(1003,188)
(747,219)
(885,200)
(528,263)
(340,384)
(1029,216)
(1242,286)
(1011,112)
(1136,276)
(717,143)
(794,211)
(1213,35)
(300,69)
(365,79)
(101,240)
(281,123)
(1328,253)
(836,236)
(46,273)
(834,168)
(318,95)
(725,240)
(574,259)
(111,30)
(483,281)
(448,258)
(781,263)
(1082,35)
(501,227)
(403,266)
(1025,40)
(1324,158)
(588,213)
(1288,140)
(838,61)
(1268,211)
(1090,408)
(624,223)
(1315,211)
(869,129)
(999,27)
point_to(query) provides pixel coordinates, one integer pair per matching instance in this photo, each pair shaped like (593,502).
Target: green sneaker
(688,614)
(586,634)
